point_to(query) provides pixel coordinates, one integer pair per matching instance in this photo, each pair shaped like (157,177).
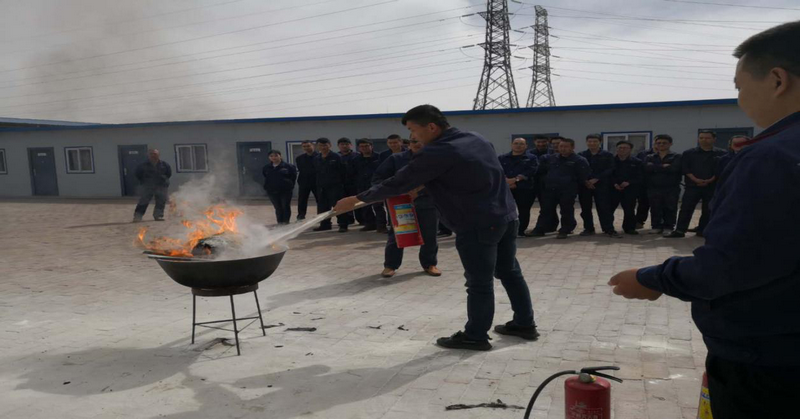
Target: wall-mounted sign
(255,150)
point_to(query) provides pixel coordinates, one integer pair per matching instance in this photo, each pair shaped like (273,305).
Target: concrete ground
(90,328)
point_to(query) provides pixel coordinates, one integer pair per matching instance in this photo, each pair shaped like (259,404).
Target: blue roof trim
(706,102)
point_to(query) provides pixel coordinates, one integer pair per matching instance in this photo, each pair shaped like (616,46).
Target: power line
(641,75)
(675,21)
(732,5)
(652,67)
(203,37)
(649,84)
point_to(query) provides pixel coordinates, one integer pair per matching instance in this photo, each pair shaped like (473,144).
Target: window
(3,167)
(640,140)
(724,135)
(191,158)
(79,160)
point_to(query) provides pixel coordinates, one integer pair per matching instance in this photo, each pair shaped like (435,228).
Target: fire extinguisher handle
(595,371)
(608,377)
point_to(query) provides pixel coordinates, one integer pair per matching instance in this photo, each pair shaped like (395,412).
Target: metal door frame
(121,166)
(31,169)
(239,162)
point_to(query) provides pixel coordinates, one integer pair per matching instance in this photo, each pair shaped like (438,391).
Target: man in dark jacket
(699,165)
(541,148)
(563,173)
(395,144)
(520,169)
(364,167)
(744,281)
(306,179)
(427,216)
(735,145)
(643,201)
(462,174)
(153,175)
(597,187)
(663,183)
(627,181)
(279,180)
(331,173)
(348,155)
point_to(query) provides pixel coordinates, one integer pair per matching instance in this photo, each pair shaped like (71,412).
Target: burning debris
(216,228)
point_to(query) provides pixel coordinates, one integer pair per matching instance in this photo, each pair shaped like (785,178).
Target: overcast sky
(116,61)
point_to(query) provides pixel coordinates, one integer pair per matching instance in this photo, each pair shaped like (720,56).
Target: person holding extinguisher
(466,181)
(744,281)
(427,215)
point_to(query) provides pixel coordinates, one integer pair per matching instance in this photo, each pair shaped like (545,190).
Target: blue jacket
(722,163)
(364,169)
(330,171)
(658,176)
(350,172)
(744,282)
(629,170)
(524,165)
(305,166)
(601,166)
(564,173)
(280,178)
(391,166)
(462,173)
(702,164)
(154,175)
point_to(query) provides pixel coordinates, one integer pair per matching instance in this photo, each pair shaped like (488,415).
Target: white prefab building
(48,158)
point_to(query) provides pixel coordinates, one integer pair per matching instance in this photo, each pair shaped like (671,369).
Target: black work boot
(459,340)
(511,329)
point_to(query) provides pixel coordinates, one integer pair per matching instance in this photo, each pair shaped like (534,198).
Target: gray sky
(156,60)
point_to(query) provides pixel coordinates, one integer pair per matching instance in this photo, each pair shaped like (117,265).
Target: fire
(218,220)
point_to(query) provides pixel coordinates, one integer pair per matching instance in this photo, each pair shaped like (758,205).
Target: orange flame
(219,220)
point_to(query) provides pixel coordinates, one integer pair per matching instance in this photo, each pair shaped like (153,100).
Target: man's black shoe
(639,226)
(323,228)
(158,218)
(586,233)
(535,233)
(301,217)
(511,329)
(343,229)
(368,227)
(632,232)
(657,231)
(675,235)
(562,236)
(459,340)
(613,234)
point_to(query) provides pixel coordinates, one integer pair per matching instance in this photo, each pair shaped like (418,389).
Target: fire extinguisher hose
(588,370)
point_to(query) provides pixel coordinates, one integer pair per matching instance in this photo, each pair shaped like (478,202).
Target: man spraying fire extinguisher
(463,175)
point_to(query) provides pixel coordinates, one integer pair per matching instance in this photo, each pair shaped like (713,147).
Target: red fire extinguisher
(404,221)
(587,396)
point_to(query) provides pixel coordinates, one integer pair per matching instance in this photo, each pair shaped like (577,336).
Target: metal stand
(226,292)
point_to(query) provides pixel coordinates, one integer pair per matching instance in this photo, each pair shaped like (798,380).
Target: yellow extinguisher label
(704,410)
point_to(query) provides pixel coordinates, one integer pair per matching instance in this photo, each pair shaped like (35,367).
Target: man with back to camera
(520,169)
(744,281)
(699,166)
(597,187)
(306,178)
(466,181)
(153,175)
(626,179)
(331,172)
(364,167)
(279,180)
(663,184)
(564,172)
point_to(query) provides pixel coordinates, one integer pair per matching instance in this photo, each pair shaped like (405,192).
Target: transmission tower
(496,90)
(541,93)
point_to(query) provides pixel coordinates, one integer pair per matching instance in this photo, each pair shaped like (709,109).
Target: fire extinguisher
(404,221)
(587,396)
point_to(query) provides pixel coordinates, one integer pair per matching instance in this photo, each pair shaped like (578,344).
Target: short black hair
(557,137)
(305,142)
(541,138)
(363,141)
(424,115)
(567,140)
(271,152)
(344,140)
(323,140)
(774,47)
(624,142)
(663,137)
(597,136)
(707,131)
(394,137)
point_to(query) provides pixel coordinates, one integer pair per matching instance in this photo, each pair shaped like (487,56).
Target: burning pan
(210,274)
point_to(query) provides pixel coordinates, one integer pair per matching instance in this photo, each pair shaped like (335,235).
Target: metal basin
(210,274)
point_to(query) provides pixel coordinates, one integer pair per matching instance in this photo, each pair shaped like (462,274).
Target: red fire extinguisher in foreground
(586,396)
(404,221)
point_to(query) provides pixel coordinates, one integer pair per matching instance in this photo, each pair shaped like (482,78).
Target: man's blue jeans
(488,253)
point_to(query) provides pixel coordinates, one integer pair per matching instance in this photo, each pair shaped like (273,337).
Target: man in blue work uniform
(364,167)
(663,183)
(427,217)
(597,187)
(348,155)
(466,181)
(153,175)
(520,169)
(395,144)
(564,172)
(744,281)
(279,180)
(541,148)
(331,174)
(643,201)
(699,166)
(626,179)
(306,178)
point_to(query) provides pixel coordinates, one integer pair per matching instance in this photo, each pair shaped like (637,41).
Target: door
(43,171)
(252,159)
(130,157)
